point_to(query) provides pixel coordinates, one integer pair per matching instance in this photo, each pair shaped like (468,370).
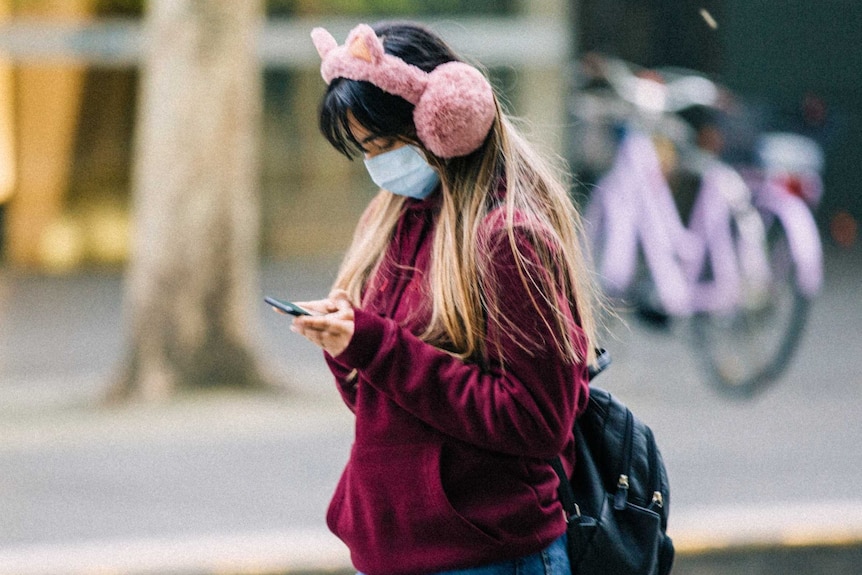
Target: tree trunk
(191,289)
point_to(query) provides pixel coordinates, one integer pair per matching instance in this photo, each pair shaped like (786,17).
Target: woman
(460,326)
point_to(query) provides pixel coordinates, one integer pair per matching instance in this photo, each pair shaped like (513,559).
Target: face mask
(403,171)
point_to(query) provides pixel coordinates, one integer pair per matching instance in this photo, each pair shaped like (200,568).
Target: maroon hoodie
(449,464)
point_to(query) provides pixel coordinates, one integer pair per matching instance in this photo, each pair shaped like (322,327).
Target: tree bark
(191,288)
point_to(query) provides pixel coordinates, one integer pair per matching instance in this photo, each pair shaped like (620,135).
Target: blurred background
(238,483)
(70,82)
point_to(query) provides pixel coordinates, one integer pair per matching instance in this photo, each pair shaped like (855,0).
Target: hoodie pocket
(391,498)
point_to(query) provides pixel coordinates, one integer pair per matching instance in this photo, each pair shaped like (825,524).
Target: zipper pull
(622,495)
(657,500)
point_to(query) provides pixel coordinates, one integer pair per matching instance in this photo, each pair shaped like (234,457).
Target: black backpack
(617,499)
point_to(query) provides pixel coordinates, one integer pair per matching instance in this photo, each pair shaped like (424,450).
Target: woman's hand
(332,326)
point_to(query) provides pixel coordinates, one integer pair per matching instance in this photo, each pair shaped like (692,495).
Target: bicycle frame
(776,199)
(634,205)
(737,261)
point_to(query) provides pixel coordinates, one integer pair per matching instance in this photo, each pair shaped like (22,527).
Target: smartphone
(286,306)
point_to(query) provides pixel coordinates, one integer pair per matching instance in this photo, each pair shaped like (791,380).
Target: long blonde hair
(536,199)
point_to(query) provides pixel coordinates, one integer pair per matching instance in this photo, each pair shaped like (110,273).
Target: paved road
(234,482)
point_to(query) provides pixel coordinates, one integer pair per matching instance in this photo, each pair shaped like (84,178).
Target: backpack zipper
(622,494)
(657,497)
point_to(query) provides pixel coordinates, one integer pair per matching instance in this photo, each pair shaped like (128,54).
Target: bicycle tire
(746,350)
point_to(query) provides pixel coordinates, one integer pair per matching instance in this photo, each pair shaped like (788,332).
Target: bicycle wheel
(745,350)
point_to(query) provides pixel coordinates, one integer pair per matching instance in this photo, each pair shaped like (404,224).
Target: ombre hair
(536,204)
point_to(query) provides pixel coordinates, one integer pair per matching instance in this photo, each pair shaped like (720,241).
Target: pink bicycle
(741,265)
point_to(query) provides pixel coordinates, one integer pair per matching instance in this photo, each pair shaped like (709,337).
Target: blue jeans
(554,560)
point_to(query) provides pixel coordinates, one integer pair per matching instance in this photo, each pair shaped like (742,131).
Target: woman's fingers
(320,306)
(337,301)
(332,331)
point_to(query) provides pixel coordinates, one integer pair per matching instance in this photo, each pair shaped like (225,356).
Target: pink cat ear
(323,41)
(364,44)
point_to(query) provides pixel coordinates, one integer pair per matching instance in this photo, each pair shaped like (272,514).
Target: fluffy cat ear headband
(454,103)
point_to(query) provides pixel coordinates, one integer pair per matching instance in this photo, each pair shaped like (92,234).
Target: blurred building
(68,92)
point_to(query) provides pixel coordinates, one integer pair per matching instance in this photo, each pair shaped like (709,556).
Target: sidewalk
(226,526)
(239,484)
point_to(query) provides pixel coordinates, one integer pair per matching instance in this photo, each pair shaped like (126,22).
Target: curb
(813,524)
(811,539)
(803,539)
(270,553)
(810,559)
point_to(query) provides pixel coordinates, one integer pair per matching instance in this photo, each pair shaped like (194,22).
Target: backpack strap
(565,491)
(603,360)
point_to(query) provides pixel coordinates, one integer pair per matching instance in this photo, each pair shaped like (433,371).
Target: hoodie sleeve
(346,379)
(523,406)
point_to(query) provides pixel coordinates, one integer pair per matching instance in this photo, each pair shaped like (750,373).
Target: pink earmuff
(454,103)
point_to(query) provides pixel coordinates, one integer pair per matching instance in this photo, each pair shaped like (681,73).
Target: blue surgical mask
(403,171)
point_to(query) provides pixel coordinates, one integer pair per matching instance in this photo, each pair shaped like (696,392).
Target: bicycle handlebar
(666,90)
